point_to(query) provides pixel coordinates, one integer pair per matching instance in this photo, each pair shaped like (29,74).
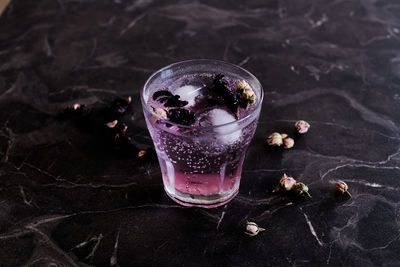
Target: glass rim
(150,110)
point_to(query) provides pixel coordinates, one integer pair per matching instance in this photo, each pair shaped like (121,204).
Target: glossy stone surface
(65,199)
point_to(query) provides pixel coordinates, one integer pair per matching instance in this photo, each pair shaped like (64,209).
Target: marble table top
(66,199)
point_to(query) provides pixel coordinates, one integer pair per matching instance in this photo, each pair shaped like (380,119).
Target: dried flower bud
(111,124)
(301,189)
(141,153)
(246,92)
(288,142)
(161,112)
(76,106)
(274,139)
(287,183)
(302,127)
(284,135)
(242,84)
(342,187)
(128,99)
(249,95)
(253,229)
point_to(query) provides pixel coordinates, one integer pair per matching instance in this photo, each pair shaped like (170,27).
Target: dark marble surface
(67,200)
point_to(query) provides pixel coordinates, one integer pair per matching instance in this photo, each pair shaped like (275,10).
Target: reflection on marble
(65,200)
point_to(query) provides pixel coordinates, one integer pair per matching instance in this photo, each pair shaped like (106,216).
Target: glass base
(201,201)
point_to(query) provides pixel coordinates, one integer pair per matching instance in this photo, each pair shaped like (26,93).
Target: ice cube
(188,93)
(226,134)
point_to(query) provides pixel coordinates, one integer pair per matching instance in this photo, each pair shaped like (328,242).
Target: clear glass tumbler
(200,166)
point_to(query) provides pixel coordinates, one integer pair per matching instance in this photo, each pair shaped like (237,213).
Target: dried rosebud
(301,189)
(141,153)
(302,127)
(287,182)
(161,112)
(242,84)
(342,187)
(246,92)
(128,99)
(274,139)
(284,135)
(288,142)
(76,106)
(111,124)
(253,229)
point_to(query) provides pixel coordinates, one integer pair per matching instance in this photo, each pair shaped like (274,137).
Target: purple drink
(201,121)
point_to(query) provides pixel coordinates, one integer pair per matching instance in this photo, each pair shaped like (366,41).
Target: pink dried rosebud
(253,229)
(141,153)
(76,106)
(342,187)
(128,99)
(302,127)
(287,182)
(301,189)
(111,124)
(288,142)
(161,112)
(274,139)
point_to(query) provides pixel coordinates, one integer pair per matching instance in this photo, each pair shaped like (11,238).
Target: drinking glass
(200,166)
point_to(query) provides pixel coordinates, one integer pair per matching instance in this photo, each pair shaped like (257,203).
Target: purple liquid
(201,167)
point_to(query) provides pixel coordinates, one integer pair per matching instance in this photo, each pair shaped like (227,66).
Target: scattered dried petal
(141,153)
(302,127)
(252,229)
(288,143)
(112,124)
(274,139)
(284,135)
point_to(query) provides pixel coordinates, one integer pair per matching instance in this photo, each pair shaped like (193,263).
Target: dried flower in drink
(112,124)
(242,84)
(301,189)
(169,99)
(342,187)
(252,229)
(302,126)
(181,116)
(226,96)
(288,143)
(246,91)
(163,113)
(274,139)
